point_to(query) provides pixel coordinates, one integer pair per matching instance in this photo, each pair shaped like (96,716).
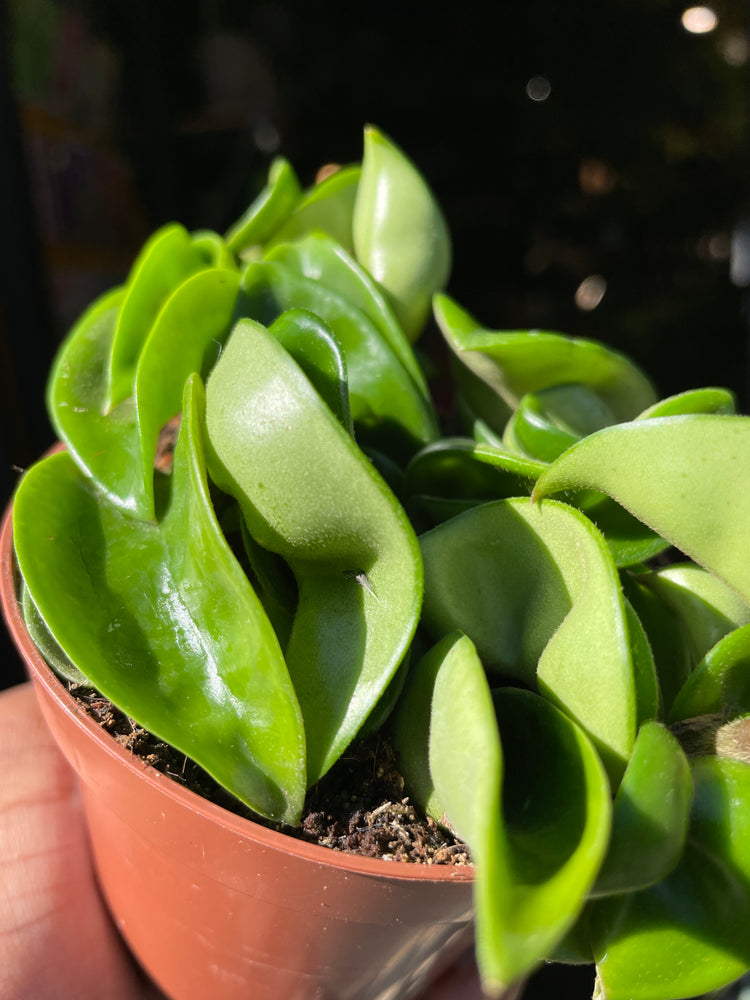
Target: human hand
(56,937)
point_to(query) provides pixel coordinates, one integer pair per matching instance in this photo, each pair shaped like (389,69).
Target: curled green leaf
(322,259)
(686,935)
(388,410)
(686,477)
(327,207)
(513,363)
(706,606)
(171,632)
(46,643)
(400,235)
(167,259)
(213,249)
(693,401)
(269,210)
(314,348)
(117,448)
(650,818)
(537,592)
(309,494)
(720,683)
(536,813)
(667,638)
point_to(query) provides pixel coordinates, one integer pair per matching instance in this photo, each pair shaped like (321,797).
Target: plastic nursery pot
(214,905)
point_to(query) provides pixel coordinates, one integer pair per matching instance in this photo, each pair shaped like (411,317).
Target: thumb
(56,938)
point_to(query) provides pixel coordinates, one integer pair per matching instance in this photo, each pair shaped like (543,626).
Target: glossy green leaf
(707,607)
(168,258)
(484,415)
(309,494)
(388,410)
(269,210)
(513,363)
(575,408)
(76,403)
(644,669)
(46,644)
(721,681)
(686,477)
(327,207)
(213,249)
(321,259)
(384,706)
(453,475)
(117,448)
(693,401)
(162,620)
(400,235)
(187,337)
(410,726)
(531,432)
(550,421)
(629,540)
(547,422)
(536,813)
(538,594)
(314,348)
(274,584)
(650,817)
(667,638)
(457,467)
(687,935)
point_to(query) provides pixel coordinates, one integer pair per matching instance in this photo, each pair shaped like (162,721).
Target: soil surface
(358,807)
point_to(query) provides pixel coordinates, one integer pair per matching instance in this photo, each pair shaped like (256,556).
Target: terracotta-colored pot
(215,906)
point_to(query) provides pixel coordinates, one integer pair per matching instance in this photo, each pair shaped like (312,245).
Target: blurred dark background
(592,158)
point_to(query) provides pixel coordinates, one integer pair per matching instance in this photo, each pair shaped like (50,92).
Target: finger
(56,939)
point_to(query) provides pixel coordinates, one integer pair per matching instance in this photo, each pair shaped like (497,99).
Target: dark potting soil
(358,807)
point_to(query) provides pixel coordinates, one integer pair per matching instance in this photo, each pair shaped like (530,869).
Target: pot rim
(42,675)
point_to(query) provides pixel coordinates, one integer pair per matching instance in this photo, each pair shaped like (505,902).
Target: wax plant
(546,611)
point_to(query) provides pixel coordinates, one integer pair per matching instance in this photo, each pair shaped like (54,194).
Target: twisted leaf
(692,401)
(269,210)
(387,408)
(400,235)
(686,935)
(513,363)
(686,477)
(167,259)
(117,447)
(650,818)
(162,620)
(328,207)
(720,684)
(537,592)
(314,348)
(707,607)
(535,813)
(321,259)
(309,494)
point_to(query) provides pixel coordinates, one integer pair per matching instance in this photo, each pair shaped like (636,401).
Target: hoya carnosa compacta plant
(549,616)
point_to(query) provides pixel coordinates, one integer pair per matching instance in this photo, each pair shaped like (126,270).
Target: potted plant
(562,679)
